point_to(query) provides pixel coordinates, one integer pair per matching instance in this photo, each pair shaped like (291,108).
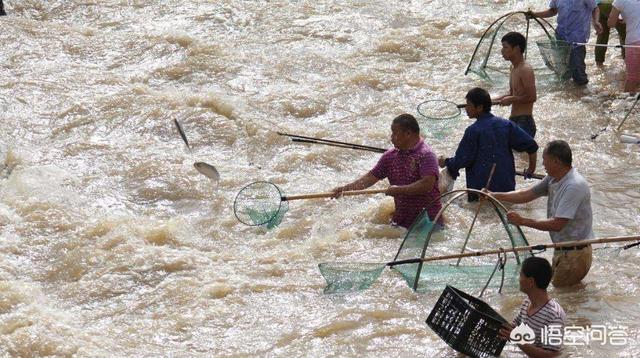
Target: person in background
(569,215)
(489,140)
(603,38)
(2,13)
(522,83)
(573,27)
(630,11)
(412,169)
(538,311)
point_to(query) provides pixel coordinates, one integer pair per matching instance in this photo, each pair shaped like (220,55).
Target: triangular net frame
(487,61)
(423,277)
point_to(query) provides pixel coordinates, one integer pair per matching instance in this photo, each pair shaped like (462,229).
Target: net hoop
(428,109)
(244,195)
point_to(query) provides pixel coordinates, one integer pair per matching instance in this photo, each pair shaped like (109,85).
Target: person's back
(574,19)
(496,138)
(630,11)
(489,140)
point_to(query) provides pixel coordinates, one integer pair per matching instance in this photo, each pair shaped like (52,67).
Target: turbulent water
(113,244)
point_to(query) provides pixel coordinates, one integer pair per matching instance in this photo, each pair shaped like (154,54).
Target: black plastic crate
(467,324)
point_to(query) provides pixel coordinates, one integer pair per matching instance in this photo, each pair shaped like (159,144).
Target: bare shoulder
(525,68)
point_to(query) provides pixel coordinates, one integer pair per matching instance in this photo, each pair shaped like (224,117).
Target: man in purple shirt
(574,17)
(412,169)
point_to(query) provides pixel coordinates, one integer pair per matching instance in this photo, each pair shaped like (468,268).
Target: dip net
(487,61)
(471,273)
(260,204)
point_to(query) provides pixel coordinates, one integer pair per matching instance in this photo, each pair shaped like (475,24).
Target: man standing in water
(489,140)
(522,83)
(412,169)
(573,27)
(539,311)
(569,216)
(630,11)
(2,13)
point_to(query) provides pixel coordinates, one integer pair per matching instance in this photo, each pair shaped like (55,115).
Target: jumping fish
(207,170)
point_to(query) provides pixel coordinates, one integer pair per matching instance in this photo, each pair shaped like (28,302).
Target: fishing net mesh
(435,117)
(555,54)
(349,276)
(260,203)
(487,61)
(436,275)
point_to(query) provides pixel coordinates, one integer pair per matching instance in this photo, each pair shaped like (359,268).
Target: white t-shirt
(630,10)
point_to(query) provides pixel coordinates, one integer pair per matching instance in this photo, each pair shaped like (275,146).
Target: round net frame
(438,109)
(259,203)
(487,61)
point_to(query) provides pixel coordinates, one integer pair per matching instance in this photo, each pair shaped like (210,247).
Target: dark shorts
(525,122)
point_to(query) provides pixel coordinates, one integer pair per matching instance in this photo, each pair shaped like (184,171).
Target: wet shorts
(525,122)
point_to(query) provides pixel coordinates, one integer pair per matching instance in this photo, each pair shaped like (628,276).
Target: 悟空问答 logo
(523,334)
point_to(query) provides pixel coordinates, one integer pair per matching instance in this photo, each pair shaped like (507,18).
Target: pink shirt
(404,167)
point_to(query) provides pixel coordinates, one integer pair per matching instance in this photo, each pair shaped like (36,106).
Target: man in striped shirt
(539,312)
(412,169)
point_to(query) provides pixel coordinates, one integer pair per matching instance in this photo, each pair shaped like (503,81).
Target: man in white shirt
(630,11)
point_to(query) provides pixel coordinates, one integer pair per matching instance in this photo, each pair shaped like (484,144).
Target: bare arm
(532,162)
(529,349)
(363,182)
(517,196)
(532,351)
(613,17)
(547,13)
(553,224)
(422,186)
(595,20)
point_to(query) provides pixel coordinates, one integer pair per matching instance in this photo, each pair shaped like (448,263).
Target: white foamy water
(113,244)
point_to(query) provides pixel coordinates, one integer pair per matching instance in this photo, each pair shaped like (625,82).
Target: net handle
(480,205)
(314,140)
(462,105)
(332,194)
(604,240)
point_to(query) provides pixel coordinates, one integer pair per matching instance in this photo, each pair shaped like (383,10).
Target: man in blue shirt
(489,140)
(573,26)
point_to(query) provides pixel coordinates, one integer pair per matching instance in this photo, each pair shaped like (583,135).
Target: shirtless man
(522,83)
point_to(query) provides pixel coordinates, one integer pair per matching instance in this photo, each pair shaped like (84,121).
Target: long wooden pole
(604,240)
(331,194)
(480,204)
(333,143)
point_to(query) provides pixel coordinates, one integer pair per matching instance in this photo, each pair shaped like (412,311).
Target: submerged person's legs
(603,37)
(570,266)
(578,67)
(632,62)
(2,9)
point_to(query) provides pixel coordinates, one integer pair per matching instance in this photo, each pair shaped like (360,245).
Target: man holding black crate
(538,313)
